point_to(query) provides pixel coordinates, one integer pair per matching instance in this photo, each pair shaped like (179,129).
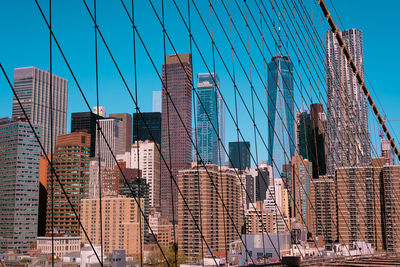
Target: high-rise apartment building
(300,205)
(239,154)
(259,220)
(71,163)
(126,129)
(19,190)
(280,94)
(210,119)
(147,126)
(112,130)
(200,185)
(311,137)
(32,86)
(323,199)
(347,115)
(176,126)
(86,122)
(145,156)
(121,220)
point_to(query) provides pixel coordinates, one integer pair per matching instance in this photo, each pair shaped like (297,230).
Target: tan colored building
(254,225)
(359,203)
(162,228)
(71,163)
(62,245)
(206,206)
(323,199)
(122,224)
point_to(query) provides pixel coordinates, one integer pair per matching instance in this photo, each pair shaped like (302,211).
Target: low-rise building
(62,245)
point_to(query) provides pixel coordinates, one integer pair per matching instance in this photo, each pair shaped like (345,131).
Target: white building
(112,129)
(101,111)
(62,245)
(146,157)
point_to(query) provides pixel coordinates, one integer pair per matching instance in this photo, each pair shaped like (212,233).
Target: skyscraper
(176,147)
(126,129)
(311,138)
(86,122)
(347,116)
(210,119)
(71,163)
(281,136)
(156,105)
(239,153)
(19,190)
(32,87)
(153,129)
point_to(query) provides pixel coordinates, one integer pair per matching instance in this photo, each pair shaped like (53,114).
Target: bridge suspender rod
(360,79)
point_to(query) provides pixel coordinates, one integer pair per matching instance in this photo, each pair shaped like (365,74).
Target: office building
(210,119)
(311,137)
(122,224)
(86,122)
(147,126)
(113,138)
(19,190)
(280,100)
(71,163)
(239,154)
(176,146)
(32,86)
(347,115)
(145,156)
(200,185)
(126,129)
(100,111)
(62,245)
(257,182)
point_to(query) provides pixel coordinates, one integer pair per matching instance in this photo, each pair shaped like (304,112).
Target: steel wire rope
(51,132)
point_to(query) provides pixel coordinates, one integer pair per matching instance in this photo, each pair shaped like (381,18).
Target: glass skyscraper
(281,113)
(19,190)
(211,108)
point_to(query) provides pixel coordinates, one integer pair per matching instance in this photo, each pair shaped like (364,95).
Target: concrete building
(126,129)
(347,115)
(323,199)
(259,220)
(62,245)
(145,156)
(257,182)
(202,198)
(112,130)
(32,86)
(94,171)
(71,163)
(19,190)
(100,111)
(162,229)
(175,134)
(121,220)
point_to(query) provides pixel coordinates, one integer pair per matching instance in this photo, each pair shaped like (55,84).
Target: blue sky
(25,42)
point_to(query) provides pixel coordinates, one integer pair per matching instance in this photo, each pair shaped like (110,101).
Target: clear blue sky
(25,42)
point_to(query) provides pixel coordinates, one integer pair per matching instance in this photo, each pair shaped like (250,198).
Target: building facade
(19,190)
(121,220)
(32,86)
(147,126)
(280,100)
(210,119)
(86,122)
(62,245)
(126,129)
(239,154)
(176,146)
(347,116)
(71,163)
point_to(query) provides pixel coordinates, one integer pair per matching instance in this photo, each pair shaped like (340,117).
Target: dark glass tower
(281,113)
(239,153)
(141,132)
(86,122)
